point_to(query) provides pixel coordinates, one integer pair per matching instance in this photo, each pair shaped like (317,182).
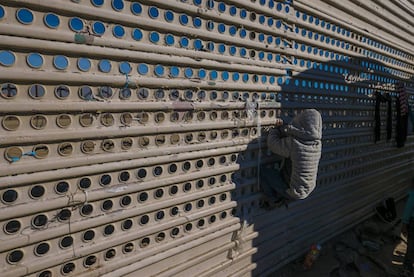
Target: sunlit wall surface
(132,131)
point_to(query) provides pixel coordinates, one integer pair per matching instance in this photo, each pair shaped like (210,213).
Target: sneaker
(406,273)
(392,210)
(384,214)
(269,204)
(281,202)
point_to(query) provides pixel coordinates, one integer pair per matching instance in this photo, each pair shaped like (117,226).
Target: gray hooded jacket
(301,142)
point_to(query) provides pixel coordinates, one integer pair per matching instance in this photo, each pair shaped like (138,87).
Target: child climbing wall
(299,143)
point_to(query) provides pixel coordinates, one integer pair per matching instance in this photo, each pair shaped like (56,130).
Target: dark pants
(409,254)
(273,183)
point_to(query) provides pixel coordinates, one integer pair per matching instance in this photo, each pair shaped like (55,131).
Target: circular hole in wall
(37,91)
(159,193)
(107,205)
(85,93)
(109,230)
(200,203)
(84,183)
(142,118)
(124,176)
(9,196)
(186,166)
(143,93)
(159,215)
(88,235)
(35,60)
(128,248)
(141,173)
(64,215)
(174,139)
(174,211)
(62,187)
(144,219)
(39,221)
(188,227)
(105,92)
(86,120)
(142,197)
(125,93)
(41,249)
(12,227)
(126,143)
(174,232)
(125,201)
(67,268)
(126,119)
(160,140)
(105,180)
(157,171)
(213,135)
(37,191)
(11,122)
(8,90)
(160,237)
(7,58)
(200,184)
(38,122)
(88,146)
(173,190)
(107,119)
(108,145)
(144,242)
(188,138)
(86,210)
(201,223)
(159,117)
(65,149)
(143,141)
(41,151)
(187,187)
(89,261)
(15,256)
(174,117)
(66,242)
(127,224)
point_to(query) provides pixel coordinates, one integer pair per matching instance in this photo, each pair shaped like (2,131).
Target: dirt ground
(373,248)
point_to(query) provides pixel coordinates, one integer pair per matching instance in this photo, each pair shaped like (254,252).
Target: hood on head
(307,125)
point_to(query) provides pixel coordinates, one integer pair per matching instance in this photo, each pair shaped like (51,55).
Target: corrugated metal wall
(131,131)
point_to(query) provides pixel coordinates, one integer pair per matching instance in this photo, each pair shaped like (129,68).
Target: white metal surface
(132,131)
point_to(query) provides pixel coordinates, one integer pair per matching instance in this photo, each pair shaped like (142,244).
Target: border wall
(132,131)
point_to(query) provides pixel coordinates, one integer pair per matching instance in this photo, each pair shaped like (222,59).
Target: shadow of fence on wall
(358,168)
